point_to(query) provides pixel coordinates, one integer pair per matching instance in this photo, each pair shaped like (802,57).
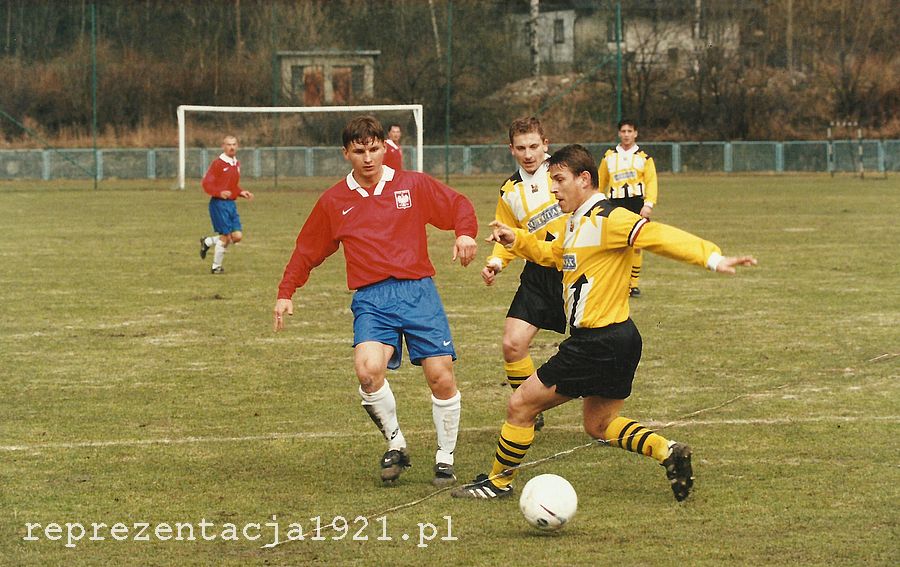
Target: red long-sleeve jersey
(382,229)
(393,155)
(223,175)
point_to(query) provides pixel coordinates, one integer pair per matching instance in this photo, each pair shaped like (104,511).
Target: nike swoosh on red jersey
(345,211)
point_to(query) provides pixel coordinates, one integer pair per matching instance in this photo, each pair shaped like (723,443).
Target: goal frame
(182,109)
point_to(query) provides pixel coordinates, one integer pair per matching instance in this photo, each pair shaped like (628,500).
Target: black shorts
(633,204)
(539,299)
(595,362)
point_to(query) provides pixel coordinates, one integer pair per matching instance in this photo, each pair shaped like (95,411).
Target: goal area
(284,141)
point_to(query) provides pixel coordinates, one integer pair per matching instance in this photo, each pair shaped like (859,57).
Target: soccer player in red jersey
(379,215)
(393,153)
(222,182)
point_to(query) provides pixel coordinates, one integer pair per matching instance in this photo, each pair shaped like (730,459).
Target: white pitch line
(346,434)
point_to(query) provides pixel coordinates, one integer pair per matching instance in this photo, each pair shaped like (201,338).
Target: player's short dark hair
(526,125)
(362,129)
(394,125)
(629,121)
(577,159)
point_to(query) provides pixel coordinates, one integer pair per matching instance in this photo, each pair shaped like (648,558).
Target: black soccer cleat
(678,470)
(443,475)
(539,421)
(204,247)
(393,463)
(634,292)
(217,270)
(481,489)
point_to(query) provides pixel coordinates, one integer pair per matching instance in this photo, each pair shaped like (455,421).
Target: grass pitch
(135,387)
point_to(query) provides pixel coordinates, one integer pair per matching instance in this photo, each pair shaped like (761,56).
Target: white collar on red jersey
(232,161)
(392,144)
(387,174)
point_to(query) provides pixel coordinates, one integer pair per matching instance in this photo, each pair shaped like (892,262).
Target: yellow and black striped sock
(632,436)
(636,269)
(511,448)
(518,371)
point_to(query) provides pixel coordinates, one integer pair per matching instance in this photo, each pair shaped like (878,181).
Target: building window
(559,31)
(673,56)
(313,85)
(341,84)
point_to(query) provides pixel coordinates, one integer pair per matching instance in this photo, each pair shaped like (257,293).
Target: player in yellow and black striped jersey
(628,179)
(526,202)
(598,360)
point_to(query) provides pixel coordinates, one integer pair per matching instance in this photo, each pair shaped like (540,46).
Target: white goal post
(415,108)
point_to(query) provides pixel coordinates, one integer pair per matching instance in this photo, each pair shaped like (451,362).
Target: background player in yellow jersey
(598,360)
(628,178)
(526,202)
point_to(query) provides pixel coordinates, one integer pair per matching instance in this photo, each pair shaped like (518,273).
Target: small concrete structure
(314,78)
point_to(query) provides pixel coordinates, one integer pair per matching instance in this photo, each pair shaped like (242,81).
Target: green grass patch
(137,387)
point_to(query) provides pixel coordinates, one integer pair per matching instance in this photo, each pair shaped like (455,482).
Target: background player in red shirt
(222,182)
(379,215)
(393,156)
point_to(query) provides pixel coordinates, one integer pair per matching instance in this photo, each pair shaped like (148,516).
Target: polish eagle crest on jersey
(403,199)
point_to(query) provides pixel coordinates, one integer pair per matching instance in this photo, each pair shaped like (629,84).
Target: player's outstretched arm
(464,249)
(728,264)
(282,307)
(246,194)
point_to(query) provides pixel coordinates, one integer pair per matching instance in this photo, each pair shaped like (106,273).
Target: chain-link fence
(870,156)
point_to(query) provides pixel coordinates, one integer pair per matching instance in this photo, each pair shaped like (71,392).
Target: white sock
(210,241)
(382,408)
(446,423)
(219,254)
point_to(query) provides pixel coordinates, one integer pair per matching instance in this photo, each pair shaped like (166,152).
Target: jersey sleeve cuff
(515,243)
(713,261)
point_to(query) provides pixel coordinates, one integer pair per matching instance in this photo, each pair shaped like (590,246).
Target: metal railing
(875,156)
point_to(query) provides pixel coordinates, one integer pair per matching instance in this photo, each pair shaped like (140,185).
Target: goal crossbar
(182,150)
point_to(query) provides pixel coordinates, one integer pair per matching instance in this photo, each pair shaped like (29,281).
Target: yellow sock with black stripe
(511,448)
(518,371)
(636,263)
(632,436)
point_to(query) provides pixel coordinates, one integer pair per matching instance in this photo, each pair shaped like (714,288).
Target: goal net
(285,141)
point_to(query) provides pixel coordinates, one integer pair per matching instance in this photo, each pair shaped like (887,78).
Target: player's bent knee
(518,412)
(236,236)
(514,350)
(443,386)
(371,376)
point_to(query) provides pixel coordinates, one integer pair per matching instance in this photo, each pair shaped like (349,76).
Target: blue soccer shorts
(224,216)
(391,310)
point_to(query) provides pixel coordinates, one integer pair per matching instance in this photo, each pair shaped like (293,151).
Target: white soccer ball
(548,502)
